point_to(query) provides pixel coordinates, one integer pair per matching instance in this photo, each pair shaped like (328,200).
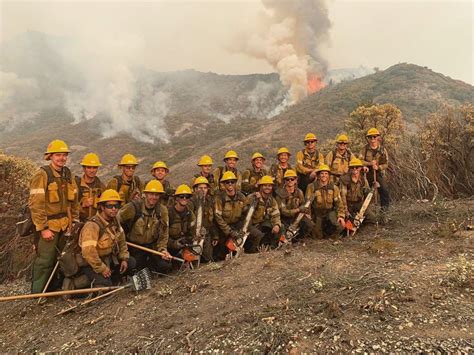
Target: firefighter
(265,225)
(53,202)
(205,164)
(327,209)
(146,223)
(230,160)
(291,203)
(159,171)
(307,161)
(208,231)
(278,169)
(181,222)
(128,185)
(103,245)
(338,159)
(89,186)
(375,157)
(229,215)
(250,177)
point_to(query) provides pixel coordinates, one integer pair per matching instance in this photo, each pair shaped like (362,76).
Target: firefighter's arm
(246,187)
(238,184)
(75,207)
(163,230)
(192,226)
(300,168)
(112,184)
(321,158)
(339,205)
(123,249)
(221,223)
(88,242)
(126,213)
(383,163)
(275,214)
(37,200)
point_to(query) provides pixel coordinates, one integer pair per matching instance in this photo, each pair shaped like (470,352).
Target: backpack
(135,181)
(347,156)
(127,227)
(25,225)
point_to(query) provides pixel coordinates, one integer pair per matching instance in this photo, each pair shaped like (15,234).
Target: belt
(57,216)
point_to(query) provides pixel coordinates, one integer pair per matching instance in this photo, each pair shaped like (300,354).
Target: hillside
(416,90)
(403,287)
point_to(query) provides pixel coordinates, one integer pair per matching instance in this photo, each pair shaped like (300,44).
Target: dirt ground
(403,286)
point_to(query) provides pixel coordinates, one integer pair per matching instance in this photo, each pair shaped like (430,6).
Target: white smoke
(289,38)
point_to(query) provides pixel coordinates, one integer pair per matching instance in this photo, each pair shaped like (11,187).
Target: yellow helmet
(56,146)
(154,186)
(91,159)
(266,180)
(355,163)
(283,150)
(160,164)
(205,160)
(109,195)
(323,167)
(183,190)
(342,138)
(228,175)
(128,159)
(310,137)
(373,132)
(200,180)
(231,154)
(289,173)
(257,155)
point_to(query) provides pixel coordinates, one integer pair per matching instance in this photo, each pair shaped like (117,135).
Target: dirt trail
(392,288)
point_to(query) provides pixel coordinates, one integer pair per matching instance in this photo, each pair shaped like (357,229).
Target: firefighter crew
(205,164)
(181,222)
(354,191)
(307,161)
(89,186)
(230,160)
(265,225)
(229,215)
(375,157)
(208,231)
(250,177)
(128,185)
(278,169)
(103,245)
(159,171)
(327,209)
(54,205)
(338,159)
(146,223)
(291,202)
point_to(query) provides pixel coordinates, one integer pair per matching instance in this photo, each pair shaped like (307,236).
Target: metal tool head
(141,280)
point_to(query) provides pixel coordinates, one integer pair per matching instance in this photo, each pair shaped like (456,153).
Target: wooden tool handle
(57,293)
(133,245)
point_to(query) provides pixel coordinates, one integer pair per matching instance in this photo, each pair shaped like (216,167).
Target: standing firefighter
(230,160)
(159,171)
(250,177)
(103,244)
(128,185)
(53,204)
(327,209)
(339,158)
(182,221)
(205,163)
(229,214)
(266,225)
(89,186)
(307,161)
(375,157)
(207,235)
(278,169)
(291,203)
(146,223)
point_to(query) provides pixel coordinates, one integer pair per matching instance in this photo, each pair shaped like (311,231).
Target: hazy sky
(174,35)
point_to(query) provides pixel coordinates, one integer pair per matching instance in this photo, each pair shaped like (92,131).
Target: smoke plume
(289,39)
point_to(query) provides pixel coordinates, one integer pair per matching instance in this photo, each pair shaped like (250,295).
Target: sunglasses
(229,182)
(372,137)
(290,179)
(184,197)
(342,143)
(112,206)
(309,142)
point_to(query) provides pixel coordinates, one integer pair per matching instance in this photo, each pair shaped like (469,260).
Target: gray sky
(174,35)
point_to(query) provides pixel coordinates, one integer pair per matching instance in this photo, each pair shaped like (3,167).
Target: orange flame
(315,83)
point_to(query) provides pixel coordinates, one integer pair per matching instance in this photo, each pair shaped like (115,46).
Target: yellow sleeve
(37,200)
(88,242)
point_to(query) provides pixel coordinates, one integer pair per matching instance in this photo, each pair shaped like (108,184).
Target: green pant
(326,225)
(46,257)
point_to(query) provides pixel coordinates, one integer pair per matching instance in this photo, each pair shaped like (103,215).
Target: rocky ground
(403,286)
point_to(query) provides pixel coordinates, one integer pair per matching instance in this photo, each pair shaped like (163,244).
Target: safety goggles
(229,182)
(184,197)
(342,143)
(111,206)
(290,179)
(372,137)
(310,142)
